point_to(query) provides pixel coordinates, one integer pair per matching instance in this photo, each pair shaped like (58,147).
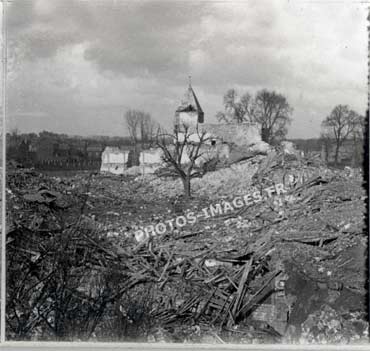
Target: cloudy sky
(77,66)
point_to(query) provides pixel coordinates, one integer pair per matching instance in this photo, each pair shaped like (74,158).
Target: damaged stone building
(224,141)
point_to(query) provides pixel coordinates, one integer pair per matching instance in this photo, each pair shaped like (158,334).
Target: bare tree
(148,130)
(132,118)
(340,125)
(270,110)
(181,151)
(141,127)
(237,110)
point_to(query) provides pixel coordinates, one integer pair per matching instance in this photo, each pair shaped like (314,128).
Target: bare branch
(268,109)
(341,124)
(181,151)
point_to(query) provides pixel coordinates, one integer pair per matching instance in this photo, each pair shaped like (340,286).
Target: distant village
(47,150)
(52,151)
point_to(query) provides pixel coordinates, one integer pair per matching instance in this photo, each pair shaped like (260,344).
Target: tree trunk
(265,135)
(336,153)
(327,147)
(186,183)
(356,159)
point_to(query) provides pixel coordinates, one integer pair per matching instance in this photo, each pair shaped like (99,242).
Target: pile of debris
(282,269)
(234,179)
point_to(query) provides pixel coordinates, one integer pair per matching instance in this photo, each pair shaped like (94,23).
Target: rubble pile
(234,179)
(290,267)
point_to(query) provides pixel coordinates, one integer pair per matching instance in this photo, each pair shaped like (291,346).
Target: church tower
(189,113)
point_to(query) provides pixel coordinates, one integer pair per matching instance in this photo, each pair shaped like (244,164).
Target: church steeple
(189,112)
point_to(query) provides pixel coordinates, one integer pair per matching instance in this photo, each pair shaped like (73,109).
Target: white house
(150,160)
(114,160)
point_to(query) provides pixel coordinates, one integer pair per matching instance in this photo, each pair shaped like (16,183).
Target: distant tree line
(31,149)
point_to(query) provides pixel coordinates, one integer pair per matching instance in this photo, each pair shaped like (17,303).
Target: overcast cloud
(76,66)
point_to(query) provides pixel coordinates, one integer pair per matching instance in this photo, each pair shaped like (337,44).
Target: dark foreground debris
(291,268)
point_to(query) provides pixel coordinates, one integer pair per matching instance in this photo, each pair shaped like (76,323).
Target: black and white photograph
(185,172)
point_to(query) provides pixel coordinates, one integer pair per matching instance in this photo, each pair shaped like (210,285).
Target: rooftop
(190,103)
